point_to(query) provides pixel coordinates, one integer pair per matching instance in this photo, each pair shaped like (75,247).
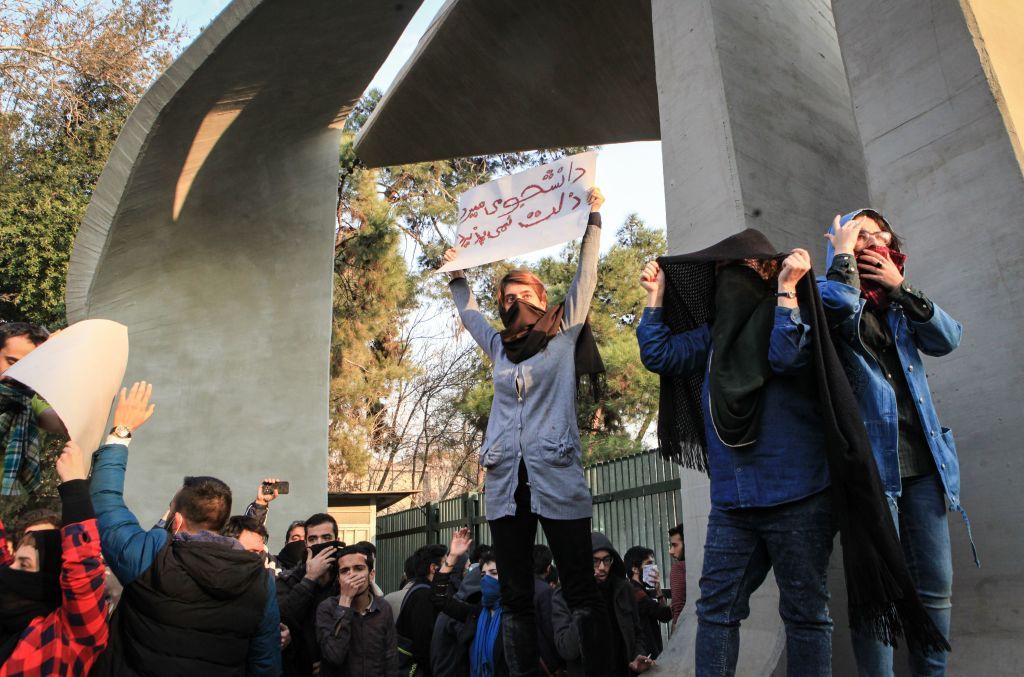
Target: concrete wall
(941,165)
(757,131)
(210,236)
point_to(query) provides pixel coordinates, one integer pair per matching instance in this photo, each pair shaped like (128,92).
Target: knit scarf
(528,330)
(488,626)
(20,440)
(27,595)
(739,363)
(875,295)
(880,593)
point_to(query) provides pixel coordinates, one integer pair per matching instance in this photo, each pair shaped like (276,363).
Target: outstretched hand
(262,498)
(460,543)
(133,407)
(595,198)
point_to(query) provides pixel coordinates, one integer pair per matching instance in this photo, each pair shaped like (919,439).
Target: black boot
(595,636)
(519,639)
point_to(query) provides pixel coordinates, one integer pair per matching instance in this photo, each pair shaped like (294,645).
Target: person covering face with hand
(355,629)
(881,325)
(53,611)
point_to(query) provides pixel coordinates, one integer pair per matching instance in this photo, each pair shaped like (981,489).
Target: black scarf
(881,597)
(739,364)
(25,595)
(528,330)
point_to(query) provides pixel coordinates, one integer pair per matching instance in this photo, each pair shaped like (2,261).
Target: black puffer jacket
(193,612)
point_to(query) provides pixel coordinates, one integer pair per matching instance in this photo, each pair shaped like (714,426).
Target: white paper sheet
(78,372)
(524,212)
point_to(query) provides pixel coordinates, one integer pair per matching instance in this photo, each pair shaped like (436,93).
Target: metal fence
(636,501)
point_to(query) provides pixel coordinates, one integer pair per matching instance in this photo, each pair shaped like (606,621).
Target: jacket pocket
(492,451)
(559,452)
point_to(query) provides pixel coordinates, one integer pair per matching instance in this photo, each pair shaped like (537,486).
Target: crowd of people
(804,400)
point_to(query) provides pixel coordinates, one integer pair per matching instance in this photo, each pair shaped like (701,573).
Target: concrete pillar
(941,165)
(210,235)
(757,131)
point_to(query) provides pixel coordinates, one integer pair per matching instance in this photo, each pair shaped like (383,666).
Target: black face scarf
(745,314)
(880,593)
(292,554)
(528,330)
(25,595)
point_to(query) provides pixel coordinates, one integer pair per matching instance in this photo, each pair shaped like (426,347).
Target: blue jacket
(939,336)
(788,461)
(129,551)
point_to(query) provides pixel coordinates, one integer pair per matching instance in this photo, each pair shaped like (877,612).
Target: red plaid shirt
(68,640)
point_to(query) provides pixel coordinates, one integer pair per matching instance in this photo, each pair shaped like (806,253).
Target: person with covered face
(53,610)
(880,325)
(754,394)
(531,450)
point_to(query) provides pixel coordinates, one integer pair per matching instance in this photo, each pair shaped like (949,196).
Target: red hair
(522,276)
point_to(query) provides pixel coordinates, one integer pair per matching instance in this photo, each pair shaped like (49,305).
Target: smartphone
(282,487)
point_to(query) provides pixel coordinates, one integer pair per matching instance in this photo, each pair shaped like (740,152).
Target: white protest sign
(524,212)
(78,372)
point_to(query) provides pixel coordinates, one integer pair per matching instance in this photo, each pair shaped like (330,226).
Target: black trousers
(513,538)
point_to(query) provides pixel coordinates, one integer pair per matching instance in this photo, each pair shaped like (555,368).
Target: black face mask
(292,554)
(25,595)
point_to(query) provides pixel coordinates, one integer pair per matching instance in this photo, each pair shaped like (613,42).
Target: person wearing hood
(531,451)
(301,590)
(881,325)
(765,452)
(194,602)
(53,610)
(627,652)
(479,651)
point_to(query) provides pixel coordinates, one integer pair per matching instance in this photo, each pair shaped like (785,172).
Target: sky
(629,174)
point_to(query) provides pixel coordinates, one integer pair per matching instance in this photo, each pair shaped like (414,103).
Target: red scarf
(876,296)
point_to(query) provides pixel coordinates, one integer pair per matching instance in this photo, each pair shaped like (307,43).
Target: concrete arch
(210,236)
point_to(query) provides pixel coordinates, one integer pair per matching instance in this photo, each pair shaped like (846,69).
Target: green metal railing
(636,501)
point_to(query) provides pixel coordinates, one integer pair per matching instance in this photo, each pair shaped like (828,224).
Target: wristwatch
(786,294)
(121,431)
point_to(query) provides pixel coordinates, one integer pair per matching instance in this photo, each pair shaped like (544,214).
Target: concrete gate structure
(774,114)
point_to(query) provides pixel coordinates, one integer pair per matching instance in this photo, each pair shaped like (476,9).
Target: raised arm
(581,291)
(789,348)
(127,547)
(83,612)
(661,351)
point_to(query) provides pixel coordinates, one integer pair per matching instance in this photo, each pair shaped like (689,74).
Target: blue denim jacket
(130,550)
(877,401)
(788,461)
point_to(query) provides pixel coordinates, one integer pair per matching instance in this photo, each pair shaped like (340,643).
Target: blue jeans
(742,545)
(924,534)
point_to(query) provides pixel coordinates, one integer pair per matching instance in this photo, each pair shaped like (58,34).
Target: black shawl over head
(880,594)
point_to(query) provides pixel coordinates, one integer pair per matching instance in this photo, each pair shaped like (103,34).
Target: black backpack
(407,666)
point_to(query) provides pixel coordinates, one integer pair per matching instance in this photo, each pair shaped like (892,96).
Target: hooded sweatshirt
(622,614)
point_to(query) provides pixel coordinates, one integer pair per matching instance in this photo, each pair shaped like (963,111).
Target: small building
(356,512)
